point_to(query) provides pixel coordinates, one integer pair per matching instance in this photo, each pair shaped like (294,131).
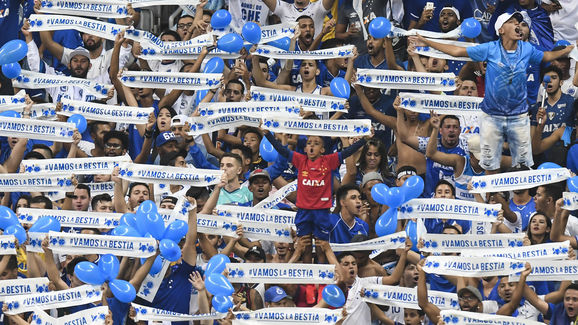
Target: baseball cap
(452,9)
(165,137)
(80,51)
(371,176)
(504,18)
(259,172)
(406,170)
(474,146)
(257,251)
(178,120)
(275,294)
(472,290)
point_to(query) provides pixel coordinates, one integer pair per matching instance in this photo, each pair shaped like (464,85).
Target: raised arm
(402,127)
(508,308)
(271,4)
(455,51)
(399,268)
(388,121)
(261,79)
(51,269)
(539,144)
(559,225)
(189,249)
(432,152)
(553,55)
(432,311)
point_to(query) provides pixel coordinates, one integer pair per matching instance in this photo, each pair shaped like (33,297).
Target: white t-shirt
(564,19)
(358,311)
(289,14)
(243,11)
(490,307)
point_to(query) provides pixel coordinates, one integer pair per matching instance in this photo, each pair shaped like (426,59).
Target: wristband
(148,134)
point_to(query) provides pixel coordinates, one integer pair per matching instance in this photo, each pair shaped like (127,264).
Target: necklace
(511,65)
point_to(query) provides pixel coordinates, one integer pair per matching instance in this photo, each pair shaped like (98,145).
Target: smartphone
(429,5)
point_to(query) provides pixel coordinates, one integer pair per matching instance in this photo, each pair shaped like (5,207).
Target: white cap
(504,18)
(452,9)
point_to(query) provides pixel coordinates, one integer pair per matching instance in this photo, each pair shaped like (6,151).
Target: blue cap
(275,294)
(165,137)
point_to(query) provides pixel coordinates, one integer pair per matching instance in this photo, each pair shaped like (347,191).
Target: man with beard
(469,298)
(505,105)
(260,186)
(379,55)
(288,13)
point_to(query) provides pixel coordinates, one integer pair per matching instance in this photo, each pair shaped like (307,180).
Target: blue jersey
(341,233)
(440,283)
(325,77)
(559,114)
(384,105)
(506,89)
(483,15)
(364,62)
(525,210)
(436,171)
(414,8)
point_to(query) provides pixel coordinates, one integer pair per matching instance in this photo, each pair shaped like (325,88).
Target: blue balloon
(471,27)
(126,231)
(267,151)
(141,223)
(412,188)
(251,32)
(547,79)
(45,224)
(79,121)
(169,250)
(394,197)
(214,65)
(379,27)
(220,19)
(217,264)
(109,266)
(155,225)
(13,51)
(387,223)
(10,113)
(218,285)
(333,296)
(562,43)
(378,192)
(7,217)
(549,165)
(147,206)
(18,231)
(122,290)
(340,88)
(231,43)
(411,232)
(199,95)
(157,265)
(176,230)
(572,183)
(282,43)
(128,219)
(89,272)
(222,304)
(11,70)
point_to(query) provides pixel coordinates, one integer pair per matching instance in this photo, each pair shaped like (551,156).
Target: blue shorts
(314,222)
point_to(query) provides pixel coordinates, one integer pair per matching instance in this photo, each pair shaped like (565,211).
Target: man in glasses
(115,144)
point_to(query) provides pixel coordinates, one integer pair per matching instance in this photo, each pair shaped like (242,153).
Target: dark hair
(451,117)
(342,194)
(198,192)
(572,286)
(343,255)
(445,182)
(42,199)
(171,199)
(33,155)
(171,32)
(184,16)
(42,146)
(95,124)
(452,227)
(101,197)
(83,187)
(554,190)
(548,224)
(26,197)
(133,185)
(233,155)
(170,158)
(122,136)
(382,152)
(331,43)
(72,264)
(252,130)
(238,82)
(172,112)
(12,262)
(304,17)
(245,151)
(551,68)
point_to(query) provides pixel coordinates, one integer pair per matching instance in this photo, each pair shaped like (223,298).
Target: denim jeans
(494,130)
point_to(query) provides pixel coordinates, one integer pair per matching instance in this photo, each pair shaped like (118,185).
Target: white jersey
(357,310)
(288,13)
(243,11)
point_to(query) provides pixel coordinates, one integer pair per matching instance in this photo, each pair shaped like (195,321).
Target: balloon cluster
(471,27)
(106,271)
(217,284)
(9,222)
(10,54)
(147,222)
(394,197)
(233,42)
